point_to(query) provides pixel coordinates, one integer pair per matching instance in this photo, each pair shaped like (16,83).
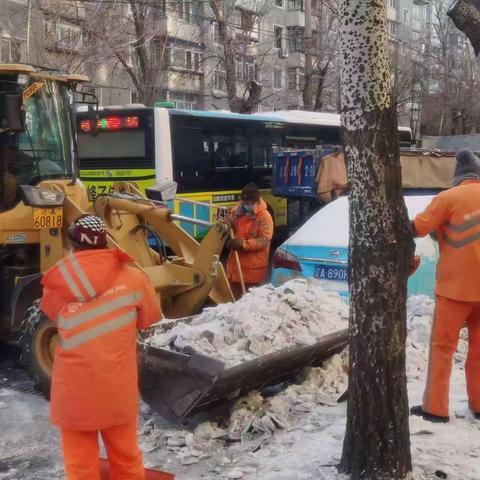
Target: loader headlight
(41,197)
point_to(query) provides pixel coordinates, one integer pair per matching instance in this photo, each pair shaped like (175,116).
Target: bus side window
(222,153)
(230,153)
(191,158)
(261,152)
(240,155)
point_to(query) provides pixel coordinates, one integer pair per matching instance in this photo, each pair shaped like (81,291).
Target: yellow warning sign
(32,90)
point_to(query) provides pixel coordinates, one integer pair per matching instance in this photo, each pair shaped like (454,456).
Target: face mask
(248,208)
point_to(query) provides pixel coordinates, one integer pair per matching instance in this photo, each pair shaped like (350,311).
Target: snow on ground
(289,433)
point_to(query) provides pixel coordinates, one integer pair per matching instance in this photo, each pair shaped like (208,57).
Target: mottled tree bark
(466,17)
(377,442)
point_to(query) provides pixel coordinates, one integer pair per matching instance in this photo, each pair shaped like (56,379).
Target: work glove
(235,244)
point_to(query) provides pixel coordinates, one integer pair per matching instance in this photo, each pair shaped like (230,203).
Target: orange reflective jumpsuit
(255,231)
(455,216)
(98,302)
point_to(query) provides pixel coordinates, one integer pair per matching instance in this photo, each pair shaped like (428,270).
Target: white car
(319,249)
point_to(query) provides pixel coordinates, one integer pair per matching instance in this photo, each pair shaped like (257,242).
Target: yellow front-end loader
(41,195)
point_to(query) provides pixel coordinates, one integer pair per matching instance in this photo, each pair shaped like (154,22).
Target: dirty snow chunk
(235,473)
(265,320)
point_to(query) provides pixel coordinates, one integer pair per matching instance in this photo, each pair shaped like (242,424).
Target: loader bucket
(177,384)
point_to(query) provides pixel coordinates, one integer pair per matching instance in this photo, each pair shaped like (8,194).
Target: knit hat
(467,166)
(250,192)
(88,231)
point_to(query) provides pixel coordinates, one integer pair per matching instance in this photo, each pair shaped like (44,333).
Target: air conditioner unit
(284,53)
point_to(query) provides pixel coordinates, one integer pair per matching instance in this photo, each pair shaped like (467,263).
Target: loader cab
(36,139)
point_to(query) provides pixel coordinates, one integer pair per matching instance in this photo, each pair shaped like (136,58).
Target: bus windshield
(45,149)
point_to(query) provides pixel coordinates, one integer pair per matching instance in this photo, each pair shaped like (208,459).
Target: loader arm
(195,273)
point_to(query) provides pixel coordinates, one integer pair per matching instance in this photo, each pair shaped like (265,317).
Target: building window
(277,78)
(405,15)
(69,36)
(219,81)
(247,70)
(247,20)
(417,11)
(392,27)
(295,5)
(134,96)
(295,37)
(186,59)
(187,10)
(279,3)
(296,79)
(162,8)
(278,33)
(216,33)
(6,50)
(65,36)
(197,62)
(392,4)
(183,101)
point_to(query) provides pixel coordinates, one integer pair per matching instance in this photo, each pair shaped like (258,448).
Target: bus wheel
(38,343)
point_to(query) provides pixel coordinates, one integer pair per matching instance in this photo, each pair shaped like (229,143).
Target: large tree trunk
(307,94)
(466,17)
(377,442)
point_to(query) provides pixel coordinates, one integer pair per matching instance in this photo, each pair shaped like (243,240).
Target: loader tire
(38,343)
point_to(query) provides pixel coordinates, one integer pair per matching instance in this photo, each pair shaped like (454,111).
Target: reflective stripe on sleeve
(81,275)
(462,243)
(114,304)
(99,330)
(463,227)
(70,282)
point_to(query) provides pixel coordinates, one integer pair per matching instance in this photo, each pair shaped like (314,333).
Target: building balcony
(392,14)
(295,18)
(184,81)
(176,28)
(296,59)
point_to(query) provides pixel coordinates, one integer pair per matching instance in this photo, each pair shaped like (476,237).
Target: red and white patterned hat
(88,231)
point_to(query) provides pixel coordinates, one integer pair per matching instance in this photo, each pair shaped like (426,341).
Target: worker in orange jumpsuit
(253,228)
(98,302)
(454,215)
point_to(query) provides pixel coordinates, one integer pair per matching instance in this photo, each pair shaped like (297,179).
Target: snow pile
(420,311)
(256,417)
(265,320)
(255,413)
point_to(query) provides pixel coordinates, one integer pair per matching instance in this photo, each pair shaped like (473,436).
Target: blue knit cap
(467,167)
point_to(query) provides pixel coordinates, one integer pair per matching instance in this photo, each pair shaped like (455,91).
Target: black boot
(476,415)
(418,411)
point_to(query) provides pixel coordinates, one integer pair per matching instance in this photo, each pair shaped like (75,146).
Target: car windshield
(45,149)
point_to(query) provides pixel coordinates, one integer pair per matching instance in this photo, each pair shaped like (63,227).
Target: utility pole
(307,40)
(29,22)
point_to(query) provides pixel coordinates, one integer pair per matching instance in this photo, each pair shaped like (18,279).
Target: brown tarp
(427,171)
(331,177)
(419,170)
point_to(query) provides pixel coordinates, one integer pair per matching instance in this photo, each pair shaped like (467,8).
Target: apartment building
(269,49)
(51,34)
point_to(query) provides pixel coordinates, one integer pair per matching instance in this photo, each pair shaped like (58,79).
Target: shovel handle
(239,267)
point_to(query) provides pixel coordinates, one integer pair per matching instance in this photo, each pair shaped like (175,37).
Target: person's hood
(260,207)
(467,167)
(100,267)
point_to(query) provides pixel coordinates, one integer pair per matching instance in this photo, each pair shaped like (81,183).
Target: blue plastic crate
(294,174)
